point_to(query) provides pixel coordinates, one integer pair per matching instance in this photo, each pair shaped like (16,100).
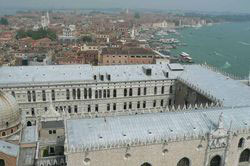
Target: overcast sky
(196,5)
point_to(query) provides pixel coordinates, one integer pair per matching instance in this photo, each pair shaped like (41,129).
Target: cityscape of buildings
(100,89)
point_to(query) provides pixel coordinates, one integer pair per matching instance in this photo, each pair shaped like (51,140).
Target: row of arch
(215,161)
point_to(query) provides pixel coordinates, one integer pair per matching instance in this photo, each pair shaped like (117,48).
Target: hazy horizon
(239,6)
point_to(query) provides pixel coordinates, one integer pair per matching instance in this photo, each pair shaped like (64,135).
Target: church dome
(9,111)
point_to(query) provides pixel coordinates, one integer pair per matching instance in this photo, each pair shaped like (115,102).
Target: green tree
(4,21)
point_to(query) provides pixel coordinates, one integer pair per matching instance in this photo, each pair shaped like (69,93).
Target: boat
(185,57)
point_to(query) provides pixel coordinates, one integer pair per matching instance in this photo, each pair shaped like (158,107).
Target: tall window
(171,89)
(67,94)
(114,106)
(144,104)
(34,95)
(78,93)
(14,95)
(53,95)
(44,95)
(241,143)
(244,156)
(162,103)
(125,106)
(75,109)
(130,105)
(2,163)
(108,93)
(104,93)
(89,108)
(96,108)
(216,161)
(162,89)
(108,107)
(32,111)
(90,93)
(96,94)
(125,92)
(74,94)
(138,104)
(154,103)
(69,109)
(145,91)
(139,91)
(100,94)
(85,93)
(29,96)
(114,93)
(184,162)
(170,102)
(130,92)
(155,90)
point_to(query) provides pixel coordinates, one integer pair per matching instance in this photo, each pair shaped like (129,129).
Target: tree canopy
(36,35)
(4,21)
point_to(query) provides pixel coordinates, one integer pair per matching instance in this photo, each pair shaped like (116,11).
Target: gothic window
(29,96)
(34,95)
(244,156)
(100,94)
(155,90)
(90,93)
(162,89)
(29,123)
(78,94)
(2,163)
(146,164)
(139,91)
(145,91)
(184,162)
(104,93)
(85,93)
(125,92)
(74,94)
(171,89)
(108,93)
(130,92)
(216,161)
(44,95)
(96,94)
(241,143)
(53,96)
(114,93)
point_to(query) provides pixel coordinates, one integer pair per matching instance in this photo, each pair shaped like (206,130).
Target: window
(104,93)
(184,162)
(78,94)
(216,161)
(34,95)
(125,106)
(114,93)
(162,89)
(75,109)
(154,103)
(138,104)
(100,94)
(29,123)
(114,106)
(155,90)
(139,92)
(146,164)
(108,107)
(144,104)
(171,89)
(74,94)
(94,77)
(13,94)
(85,93)
(169,102)
(45,109)
(108,93)
(96,94)
(69,109)
(3,134)
(244,156)
(32,111)
(29,96)
(50,131)
(162,103)
(52,150)
(89,108)
(67,94)
(241,143)
(2,163)
(96,108)
(130,92)
(54,131)
(130,105)
(145,91)
(44,95)
(90,93)
(53,96)
(125,92)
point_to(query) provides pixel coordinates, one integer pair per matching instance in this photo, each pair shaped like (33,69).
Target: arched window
(146,164)
(3,134)
(2,163)
(184,162)
(29,123)
(244,156)
(241,143)
(216,161)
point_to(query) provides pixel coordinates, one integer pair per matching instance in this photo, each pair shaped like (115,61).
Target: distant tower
(48,20)
(132,33)
(127,11)
(45,21)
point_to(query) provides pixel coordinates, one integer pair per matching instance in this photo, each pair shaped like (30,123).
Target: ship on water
(185,57)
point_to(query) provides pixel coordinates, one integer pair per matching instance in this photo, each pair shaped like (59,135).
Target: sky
(186,5)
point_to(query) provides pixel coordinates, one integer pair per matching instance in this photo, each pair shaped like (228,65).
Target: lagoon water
(225,46)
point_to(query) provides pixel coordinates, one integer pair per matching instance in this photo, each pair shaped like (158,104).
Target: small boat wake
(244,43)
(218,54)
(226,65)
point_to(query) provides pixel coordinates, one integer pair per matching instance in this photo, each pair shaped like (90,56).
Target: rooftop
(232,93)
(9,149)
(104,132)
